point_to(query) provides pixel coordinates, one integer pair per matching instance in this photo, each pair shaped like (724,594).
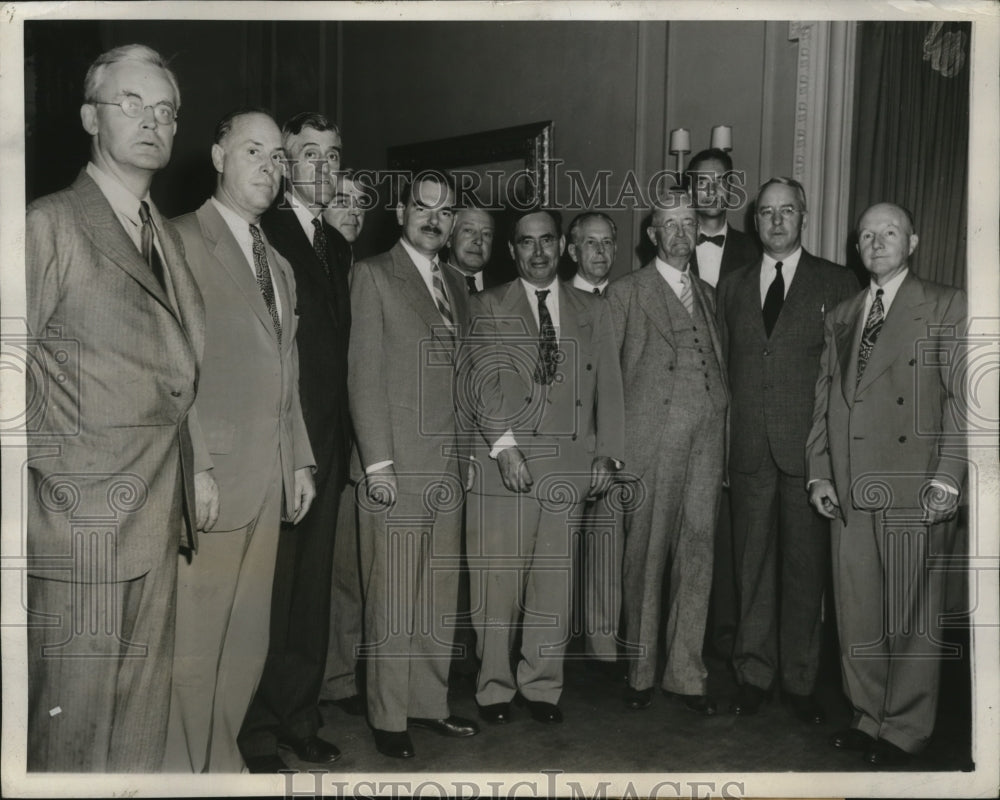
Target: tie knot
(255,233)
(144,212)
(685,278)
(718,239)
(317,224)
(596,290)
(879,293)
(777,267)
(541,294)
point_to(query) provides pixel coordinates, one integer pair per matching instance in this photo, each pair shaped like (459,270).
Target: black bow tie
(718,240)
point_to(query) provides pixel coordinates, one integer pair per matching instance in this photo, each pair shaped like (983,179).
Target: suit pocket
(219,436)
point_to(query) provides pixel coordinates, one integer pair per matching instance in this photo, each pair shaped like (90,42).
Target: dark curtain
(912,135)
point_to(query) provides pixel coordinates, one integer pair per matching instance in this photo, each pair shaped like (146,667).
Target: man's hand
(206,500)
(470,476)
(305,491)
(602,474)
(514,470)
(381,486)
(824,498)
(938,503)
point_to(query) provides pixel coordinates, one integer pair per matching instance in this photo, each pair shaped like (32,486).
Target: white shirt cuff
(505,442)
(377,466)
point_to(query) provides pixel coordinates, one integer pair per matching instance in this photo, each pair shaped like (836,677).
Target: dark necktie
(263,273)
(545,369)
(597,291)
(873,326)
(718,240)
(470,281)
(319,243)
(774,299)
(148,247)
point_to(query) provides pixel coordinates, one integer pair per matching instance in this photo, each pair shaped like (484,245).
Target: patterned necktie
(718,240)
(263,273)
(687,298)
(545,369)
(441,296)
(774,299)
(873,326)
(148,247)
(319,243)
(470,281)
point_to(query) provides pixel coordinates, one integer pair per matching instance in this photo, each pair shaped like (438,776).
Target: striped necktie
(687,298)
(873,326)
(441,296)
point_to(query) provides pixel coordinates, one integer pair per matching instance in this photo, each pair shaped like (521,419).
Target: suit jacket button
(589,366)
(902,439)
(767,352)
(175,393)
(913,361)
(579,403)
(573,437)
(527,399)
(899,401)
(670,368)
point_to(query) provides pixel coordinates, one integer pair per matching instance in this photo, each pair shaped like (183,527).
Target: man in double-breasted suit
(886,462)
(675,420)
(118,324)
(255,448)
(285,708)
(409,313)
(771,323)
(543,385)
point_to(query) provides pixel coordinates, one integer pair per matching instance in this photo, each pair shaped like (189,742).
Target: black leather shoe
(884,754)
(852,739)
(637,699)
(452,726)
(748,700)
(353,705)
(495,713)
(805,708)
(395,744)
(311,749)
(547,713)
(698,703)
(262,765)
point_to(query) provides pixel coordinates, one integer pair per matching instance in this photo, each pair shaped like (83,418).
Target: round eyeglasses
(132,106)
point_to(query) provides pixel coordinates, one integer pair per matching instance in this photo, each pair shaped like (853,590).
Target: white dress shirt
(582,283)
(710,258)
(126,207)
(303,215)
(768,272)
(241,232)
(672,275)
(889,292)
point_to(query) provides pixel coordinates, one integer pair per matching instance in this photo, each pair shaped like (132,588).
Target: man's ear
(399,213)
(218,157)
(913,243)
(562,245)
(571,249)
(88,116)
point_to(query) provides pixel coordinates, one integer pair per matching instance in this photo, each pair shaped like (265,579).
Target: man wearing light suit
(771,323)
(255,449)
(544,387)
(675,421)
(886,462)
(409,314)
(119,324)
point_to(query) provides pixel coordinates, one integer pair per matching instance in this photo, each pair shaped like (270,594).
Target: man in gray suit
(106,278)
(675,419)
(771,322)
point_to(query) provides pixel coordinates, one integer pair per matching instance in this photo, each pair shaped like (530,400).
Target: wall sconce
(680,142)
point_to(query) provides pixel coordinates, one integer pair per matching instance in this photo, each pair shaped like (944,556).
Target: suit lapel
(227,252)
(905,323)
(189,302)
(289,237)
(847,332)
(653,302)
(749,303)
(107,235)
(414,288)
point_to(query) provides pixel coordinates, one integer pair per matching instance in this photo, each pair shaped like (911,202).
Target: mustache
(434,229)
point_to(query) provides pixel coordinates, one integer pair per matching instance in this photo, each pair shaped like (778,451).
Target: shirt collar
(789,262)
(723,232)
(418,258)
(304,215)
(239,226)
(582,283)
(121,200)
(530,288)
(670,273)
(889,290)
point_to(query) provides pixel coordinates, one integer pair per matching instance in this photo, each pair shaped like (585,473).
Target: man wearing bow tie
(771,322)
(721,248)
(409,314)
(886,462)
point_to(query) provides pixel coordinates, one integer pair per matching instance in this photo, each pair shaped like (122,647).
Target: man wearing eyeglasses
(119,324)
(675,419)
(771,320)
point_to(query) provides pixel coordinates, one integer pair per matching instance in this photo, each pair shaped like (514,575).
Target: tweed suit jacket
(119,360)
(324,324)
(880,441)
(645,340)
(248,401)
(773,379)
(401,369)
(562,427)
(738,250)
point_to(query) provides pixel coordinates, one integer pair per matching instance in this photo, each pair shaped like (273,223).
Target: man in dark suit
(470,247)
(345,213)
(255,447)
(771,323)
(409,315)
(675,421)
(886,462)
(544,388)
(721,249)
(284,711)
(119,326)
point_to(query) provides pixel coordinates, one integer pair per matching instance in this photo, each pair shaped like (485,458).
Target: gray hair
(800,191)
(128,52)
(586,216)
